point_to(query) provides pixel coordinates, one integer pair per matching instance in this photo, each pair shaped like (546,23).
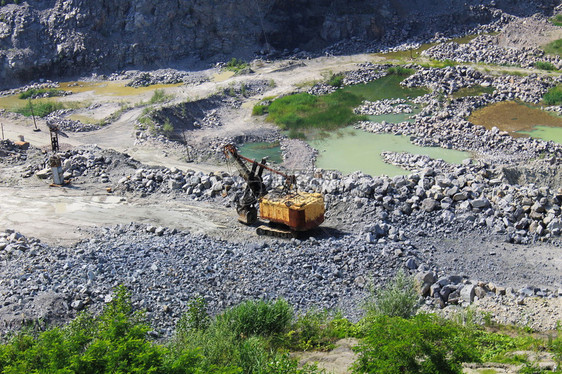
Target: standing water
(360,150)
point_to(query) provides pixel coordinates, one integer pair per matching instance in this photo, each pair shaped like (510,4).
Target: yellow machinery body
(300,211)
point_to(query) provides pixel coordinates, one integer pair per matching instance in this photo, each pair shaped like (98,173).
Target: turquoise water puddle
(259,150)
(545,133)
(360,150)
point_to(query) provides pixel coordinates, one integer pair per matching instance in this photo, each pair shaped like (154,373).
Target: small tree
(397,299)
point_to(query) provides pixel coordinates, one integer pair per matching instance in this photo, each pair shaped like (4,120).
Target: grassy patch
(336,80)
(545,65)
(39,108)
(553,96)
(159,96)
(439,64)
(557,20)
(554,48)
(472,91)
(305,111)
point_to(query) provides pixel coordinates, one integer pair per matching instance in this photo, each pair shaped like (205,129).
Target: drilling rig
(287,210)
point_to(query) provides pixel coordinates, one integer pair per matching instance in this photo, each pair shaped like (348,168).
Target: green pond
(259,150)
(545,133)
(387,87)
(360,150)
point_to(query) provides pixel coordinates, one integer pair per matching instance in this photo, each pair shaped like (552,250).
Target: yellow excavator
(287,210)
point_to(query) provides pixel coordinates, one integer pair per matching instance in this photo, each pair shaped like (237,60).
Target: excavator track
(265,230)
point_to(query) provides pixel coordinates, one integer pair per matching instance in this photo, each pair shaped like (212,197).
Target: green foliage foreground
(255,337)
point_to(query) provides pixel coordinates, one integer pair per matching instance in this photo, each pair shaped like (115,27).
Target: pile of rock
(165,269)
(162,76)
(366,73)
(413,162)
(66,124)
(457,290)
(387,106)
(485,49)
(470,196)
(35,86)
(321,89)
(447,80)
(12,153)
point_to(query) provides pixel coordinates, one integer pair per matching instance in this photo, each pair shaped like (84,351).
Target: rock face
(63,37)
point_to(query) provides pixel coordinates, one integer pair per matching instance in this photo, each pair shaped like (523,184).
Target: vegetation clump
(236,65)
(336,80)
(306,111)
(553,96)
(255,337)
(557,20)
(39,109)
(545,65)
(554,48)
(399,70)
(159,96)
(33,93)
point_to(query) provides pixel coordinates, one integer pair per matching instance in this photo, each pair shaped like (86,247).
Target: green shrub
(260,318)
(422,344)
(399,70)
(196,317)
(557,20)
(553,96)
(259,109)
(236,65)
(317,330)
(167,128)
(336,80)
(556,345)
(544,65)
(39,109)
(116,341)
(159,96)
(398,299)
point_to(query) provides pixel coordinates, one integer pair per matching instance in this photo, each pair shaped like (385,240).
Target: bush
(258,318)
(399,70)
(159,97)
(167,128)
(557,20)
(422,344)
(336,80)
(544,65)
(39,109)
(116,341)
(259,109)
(398,299)
(236,65)
(553,96)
